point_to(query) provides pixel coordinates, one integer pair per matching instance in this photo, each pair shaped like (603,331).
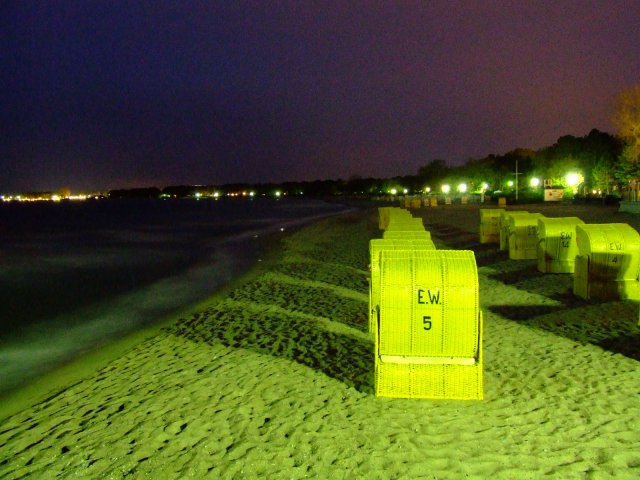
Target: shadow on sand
(308,307)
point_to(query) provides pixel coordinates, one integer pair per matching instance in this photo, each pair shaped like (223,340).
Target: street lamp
(573,179)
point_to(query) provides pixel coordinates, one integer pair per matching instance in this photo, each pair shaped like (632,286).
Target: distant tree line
(596,156)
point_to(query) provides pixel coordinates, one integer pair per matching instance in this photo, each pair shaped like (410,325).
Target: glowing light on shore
(445,188)
(427,189)
(485,186)
(393,191)
(462,188)
(534,182)
(278,193)
(574,179)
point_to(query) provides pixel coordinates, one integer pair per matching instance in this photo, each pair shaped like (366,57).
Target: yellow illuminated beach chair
(490,225)
(557,247)
(523,236)
(608,263)
(504,228)
(386,213)
(415,203)
(429,325)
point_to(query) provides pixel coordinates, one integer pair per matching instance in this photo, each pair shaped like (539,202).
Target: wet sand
(274,379)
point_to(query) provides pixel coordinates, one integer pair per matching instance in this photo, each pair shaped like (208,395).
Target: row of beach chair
(425,317)
(603,258)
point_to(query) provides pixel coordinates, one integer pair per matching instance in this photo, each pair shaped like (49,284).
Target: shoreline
(274,379)
(70,371)
(75,369)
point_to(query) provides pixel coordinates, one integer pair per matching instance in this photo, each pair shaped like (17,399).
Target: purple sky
(106,94)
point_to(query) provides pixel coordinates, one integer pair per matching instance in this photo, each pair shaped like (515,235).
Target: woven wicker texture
(523,236)
(504,228)
(436,381)
(405,224)
(557,246)
(608,263)
(375,247)
(490,225)
(428,303)
(406,235)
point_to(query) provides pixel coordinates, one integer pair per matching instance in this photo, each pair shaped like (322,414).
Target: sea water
(75,276)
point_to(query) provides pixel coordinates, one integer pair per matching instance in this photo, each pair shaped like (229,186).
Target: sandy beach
(273,378)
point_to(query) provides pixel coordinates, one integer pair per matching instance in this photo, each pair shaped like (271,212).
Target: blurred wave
(67,288)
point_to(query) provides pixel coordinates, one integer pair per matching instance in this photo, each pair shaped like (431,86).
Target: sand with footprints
(273,378)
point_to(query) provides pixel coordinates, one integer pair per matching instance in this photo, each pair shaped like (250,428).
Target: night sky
(109,94)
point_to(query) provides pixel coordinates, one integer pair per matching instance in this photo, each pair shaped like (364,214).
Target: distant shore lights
(44,197)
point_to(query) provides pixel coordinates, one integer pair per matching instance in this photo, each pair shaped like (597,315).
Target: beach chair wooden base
(454,378)
(588,287)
